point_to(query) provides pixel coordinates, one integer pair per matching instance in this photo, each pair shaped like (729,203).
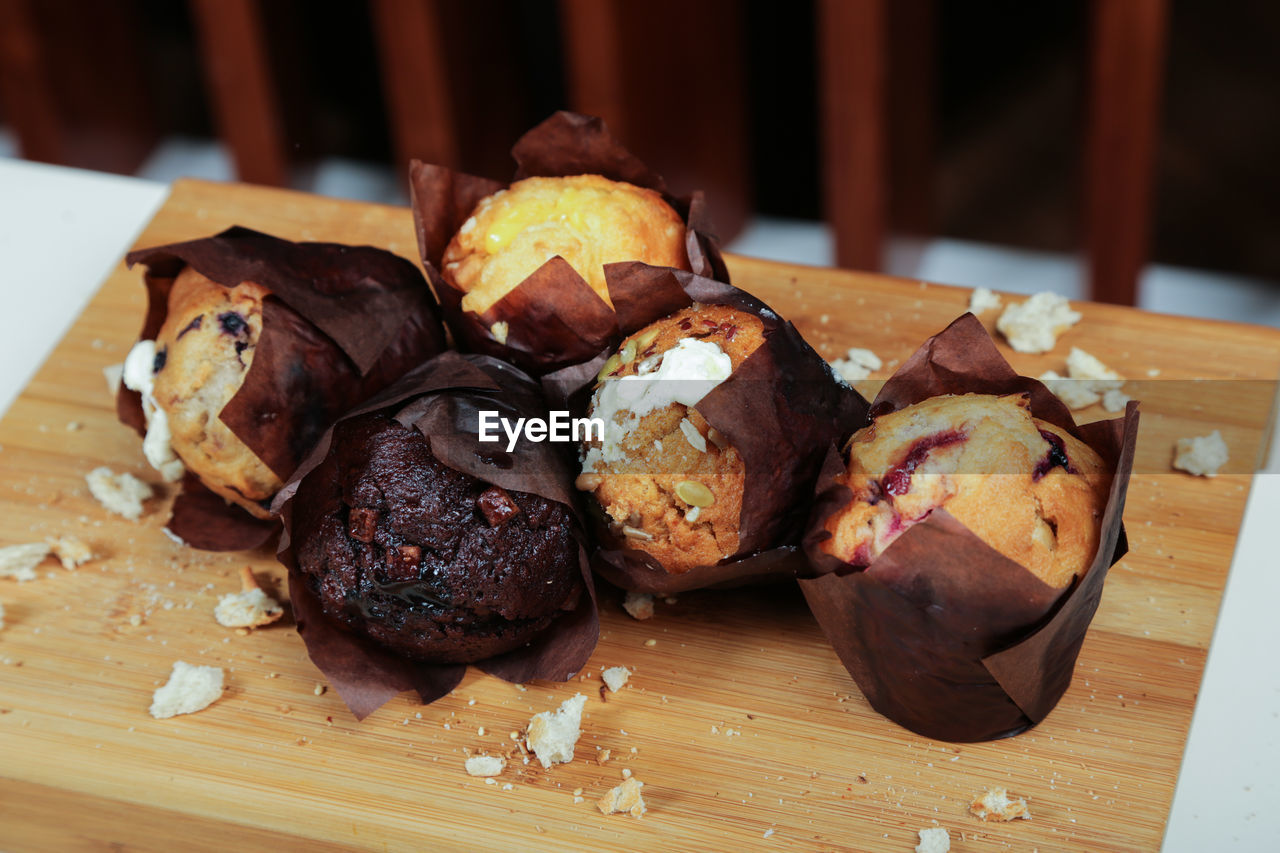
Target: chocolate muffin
(668,483)
(429,562)
(587,220)
(1027,488)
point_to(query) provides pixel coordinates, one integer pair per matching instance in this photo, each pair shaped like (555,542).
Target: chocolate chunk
(402,562)
(497,506)
(361,523)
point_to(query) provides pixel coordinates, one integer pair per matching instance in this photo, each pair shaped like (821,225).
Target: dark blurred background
(986,103)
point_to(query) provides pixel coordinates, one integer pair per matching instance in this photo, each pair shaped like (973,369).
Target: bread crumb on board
(189,689)
(122,494)
(615,677)
(553,734)
(857,364)
(639,605)
(983,299)
(70,551)
(1034,325)
(248,608)
(19,561)
(996,804)
(624,798)
(1088,381)
(935,839)
(1203,455)
(485,766)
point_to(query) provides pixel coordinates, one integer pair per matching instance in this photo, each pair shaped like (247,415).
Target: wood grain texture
(273,765)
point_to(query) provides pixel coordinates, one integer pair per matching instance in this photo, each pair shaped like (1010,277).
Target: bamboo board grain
(746,731)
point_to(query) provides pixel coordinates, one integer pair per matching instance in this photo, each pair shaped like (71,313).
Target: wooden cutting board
(739,719)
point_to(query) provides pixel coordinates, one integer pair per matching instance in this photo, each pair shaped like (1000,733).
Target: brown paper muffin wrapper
(442,399)
(943,634)
(782,408)
(553,317)
(341,323)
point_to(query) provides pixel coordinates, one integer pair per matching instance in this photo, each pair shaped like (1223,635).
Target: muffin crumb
(983,299)
(553,734)
(615,677)
(1203,455)
(857,364)
(122,494)
(19,561)
(624,798)
(639,605)
(70,551)
(485,765)
(249,608)
(189,689)
(1034,325)
(996,804)
(933,840)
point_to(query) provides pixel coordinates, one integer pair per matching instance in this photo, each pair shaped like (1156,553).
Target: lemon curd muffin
(587,220)
(186,376)
(1025,487)
(669,483)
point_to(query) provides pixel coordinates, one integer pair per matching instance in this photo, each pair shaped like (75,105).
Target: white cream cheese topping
(683,374)
(139,375)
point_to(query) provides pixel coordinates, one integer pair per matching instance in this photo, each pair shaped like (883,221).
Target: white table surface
(1228,796)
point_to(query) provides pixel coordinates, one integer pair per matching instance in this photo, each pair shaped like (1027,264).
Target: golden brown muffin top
(1028,489)
(588,220)
(203,352)
(672,486)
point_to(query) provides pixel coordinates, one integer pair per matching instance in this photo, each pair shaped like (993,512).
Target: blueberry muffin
(193,368)
(587,220)
(666,481)
(1027,488)
(427,561)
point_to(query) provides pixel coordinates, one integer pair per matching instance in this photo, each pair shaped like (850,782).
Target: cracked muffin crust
(1025,487)
(426,561)
(588,220)
(202,353)
(668,483)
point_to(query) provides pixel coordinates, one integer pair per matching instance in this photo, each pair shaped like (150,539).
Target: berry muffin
(188,374)
(668,483)
(587,220)
(429,562)
(1025,487)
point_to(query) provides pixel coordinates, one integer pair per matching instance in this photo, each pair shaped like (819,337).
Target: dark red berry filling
(1055,458)
(897,480)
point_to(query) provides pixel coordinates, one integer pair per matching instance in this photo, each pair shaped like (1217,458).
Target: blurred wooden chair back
(875,71)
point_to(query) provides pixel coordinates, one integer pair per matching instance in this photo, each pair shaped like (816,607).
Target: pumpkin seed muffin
(194,367)
(587,220)
(669,483)
(1027,488)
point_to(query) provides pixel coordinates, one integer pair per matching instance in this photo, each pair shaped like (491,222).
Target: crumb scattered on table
(996,804)
(249,608)
(486,765)
(1203,455)
(624,798)
(19,561)
(983,299)
(615,677)
(935,839)
(639,605)
(1034,325)
(857,364)
(189,689)
(553,734)
(122,494)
